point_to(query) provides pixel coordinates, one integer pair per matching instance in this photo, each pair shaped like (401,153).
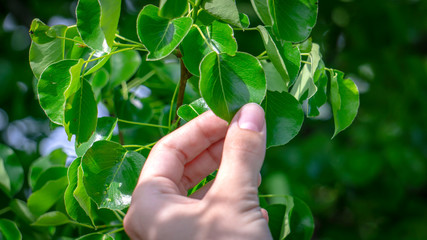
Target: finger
(244,151)
(203,165)
(169,156)
(200,193)
(264,214)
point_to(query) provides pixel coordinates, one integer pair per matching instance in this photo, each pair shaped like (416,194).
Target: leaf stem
(82,224)
(306,62)
(120,218)
(70,39)
(138,81)
(204,38)
(128,40)
(109,54)
(263,58)
(148,146)
(262,54)
(271,195)
(171,106)
(142,124)
(185,75)
(117,230)
(246,29)
(126,45)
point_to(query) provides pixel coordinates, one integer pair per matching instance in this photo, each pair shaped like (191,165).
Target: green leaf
(96,236)
(225,10)
(9,230)
(221,37)
(261,9)
(172,8)
(244,20)
(305,81)
(320,97)
(44,54)
(132,109)
(285,58)
(301,221)
(274,80)
(41,33)
(293,19)
(53,86)
(49,174)
(42,200)
(55,158)
(276,223)
(284,117)
(74,210)
(104,131)
(192,110)
(110,174)
(97,22)
(160,35)
(123,66)
(229,82)
(21,210)
(11,171)
(51,219)
(344,98)
(81,195)
(80,115)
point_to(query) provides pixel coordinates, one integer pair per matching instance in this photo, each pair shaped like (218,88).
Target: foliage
(91,73)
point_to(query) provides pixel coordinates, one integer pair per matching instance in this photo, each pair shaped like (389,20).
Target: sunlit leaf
(110,174)
(160,35)
(261,9)
(41,33)
(9,230)
(229,82)
(225,10)
(42,200)
(104,131)
(244,20)
(192,110)
(11,171)
(81,195)
(284,117)
(274,80)
(293,19)
(54,218)
(97,22)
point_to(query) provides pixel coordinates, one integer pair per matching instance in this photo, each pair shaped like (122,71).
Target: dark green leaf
(110,174)
(225,10)
(97,22)
(42,200)
(293,19)
(172,8)
(284,117)
(276,223)
(55,158)
(80,114)
(193,49)
(52,173)
(96,236)
(44,54)
(305,47)
(274,80)
(104,131)
(123,66)
(21,210)
(344,98)
(204,18)
(319,98)
(132,109)
(51,219)
(160,35)
(74,210)
(261,9)
(229,82)
(54,85)
(283,55)
(11,171)
(9,230)
(192,110)
(301,221)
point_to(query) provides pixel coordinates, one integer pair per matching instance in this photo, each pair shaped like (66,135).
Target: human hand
(227,207)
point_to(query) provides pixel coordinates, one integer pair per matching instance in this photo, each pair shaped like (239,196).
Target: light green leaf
(172,8)
(97,22)
(221,37)
(160,35)
(192,110)
(274,80)
(11,171)
(229,82)
(41,33)
(244,20)
(261,9)
(9,230)
(45,53)
(50,219)
(344,98)
(55,158)
(71,204)
(319,98)
(53,86)
(80,115)
(225,10)
(285,58)
(284,117)
(293,19)
(50,174)
(110,174)
(123,66)
(104,131)
(80,194)
(42,200)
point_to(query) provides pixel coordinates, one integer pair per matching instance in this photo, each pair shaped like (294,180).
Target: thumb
(244,152)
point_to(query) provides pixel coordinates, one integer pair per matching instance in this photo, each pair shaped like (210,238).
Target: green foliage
(78,68)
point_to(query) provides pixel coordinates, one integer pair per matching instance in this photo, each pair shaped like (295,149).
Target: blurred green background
(370,182)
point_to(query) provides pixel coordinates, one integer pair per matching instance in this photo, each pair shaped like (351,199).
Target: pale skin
(226,208)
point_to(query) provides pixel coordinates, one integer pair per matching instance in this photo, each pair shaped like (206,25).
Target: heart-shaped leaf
(192,110)
(160,35)
(110,174)
(284,117)
(229,82)
(11,171)
(97,22)
(53,85)
(225,10)
(293,19)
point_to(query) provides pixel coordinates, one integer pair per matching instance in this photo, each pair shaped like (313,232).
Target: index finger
(168,157)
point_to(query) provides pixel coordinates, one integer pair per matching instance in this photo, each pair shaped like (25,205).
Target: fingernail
(252,117)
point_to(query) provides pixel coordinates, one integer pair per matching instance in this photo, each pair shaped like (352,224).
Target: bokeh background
(369,182)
